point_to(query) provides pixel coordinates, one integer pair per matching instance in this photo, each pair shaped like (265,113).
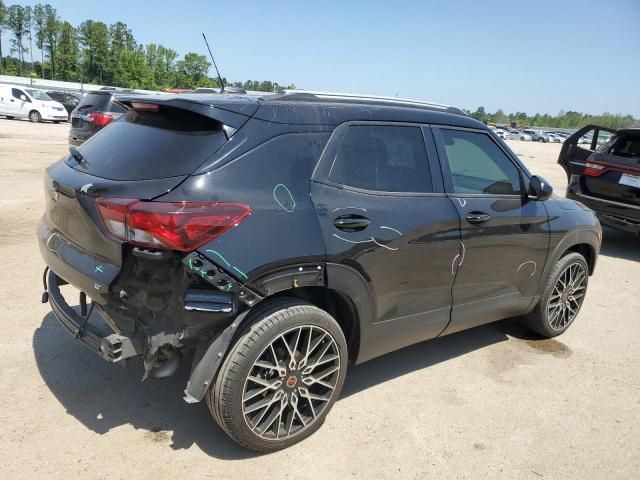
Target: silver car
(519,135)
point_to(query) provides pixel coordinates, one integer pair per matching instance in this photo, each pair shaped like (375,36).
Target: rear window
(383,158)
(151,144)
(94,102)
(622,146)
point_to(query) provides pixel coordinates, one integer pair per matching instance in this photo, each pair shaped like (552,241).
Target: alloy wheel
(291,383)
(567,296)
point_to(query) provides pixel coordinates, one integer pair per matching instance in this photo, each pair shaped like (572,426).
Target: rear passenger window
(478,165)
(383,158)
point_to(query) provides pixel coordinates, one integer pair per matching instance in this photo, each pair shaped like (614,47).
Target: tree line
(569,120)
(94,52)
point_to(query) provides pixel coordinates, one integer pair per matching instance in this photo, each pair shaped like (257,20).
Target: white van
(18,102)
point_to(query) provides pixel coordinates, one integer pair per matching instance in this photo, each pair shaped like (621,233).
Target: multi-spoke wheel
(281,378)
(567,296)
(562,297)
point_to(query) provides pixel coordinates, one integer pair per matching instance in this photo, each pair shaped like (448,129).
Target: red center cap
(291,381)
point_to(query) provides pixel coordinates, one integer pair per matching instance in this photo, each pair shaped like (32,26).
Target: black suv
(605,173)
(68,100)
(94,112)
(280,238)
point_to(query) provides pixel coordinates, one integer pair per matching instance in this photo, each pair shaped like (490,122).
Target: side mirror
(539,188)
(23,98)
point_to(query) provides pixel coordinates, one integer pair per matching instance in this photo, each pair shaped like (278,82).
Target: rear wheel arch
(336,304)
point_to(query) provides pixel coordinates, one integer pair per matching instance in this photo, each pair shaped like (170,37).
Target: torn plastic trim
(207,368)
(292,277)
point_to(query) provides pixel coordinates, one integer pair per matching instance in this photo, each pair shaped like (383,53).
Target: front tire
(562,298)
(541,140)
(35,116)
(281,377)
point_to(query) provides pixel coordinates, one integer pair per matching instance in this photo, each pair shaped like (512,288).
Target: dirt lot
(488,403)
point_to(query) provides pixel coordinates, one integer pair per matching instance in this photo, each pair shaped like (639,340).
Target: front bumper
(112,347)
(55,116)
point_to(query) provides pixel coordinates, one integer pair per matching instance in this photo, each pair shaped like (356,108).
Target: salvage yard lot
(492,402)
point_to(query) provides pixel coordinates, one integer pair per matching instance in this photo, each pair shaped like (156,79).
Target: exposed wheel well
(587,251)
(337,305)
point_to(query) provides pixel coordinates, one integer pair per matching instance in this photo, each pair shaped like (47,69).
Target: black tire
(522,139)
(35,116)
(538,320)
(541,140)
(226,397)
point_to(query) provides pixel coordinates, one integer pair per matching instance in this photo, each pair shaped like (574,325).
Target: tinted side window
(383,158)
(15,93)
(478,165)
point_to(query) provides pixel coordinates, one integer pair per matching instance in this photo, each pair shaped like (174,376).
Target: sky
(535,57)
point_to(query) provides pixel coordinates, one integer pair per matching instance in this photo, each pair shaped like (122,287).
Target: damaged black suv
(277,239)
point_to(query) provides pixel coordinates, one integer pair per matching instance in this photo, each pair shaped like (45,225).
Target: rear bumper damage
(113,348)
(613,214)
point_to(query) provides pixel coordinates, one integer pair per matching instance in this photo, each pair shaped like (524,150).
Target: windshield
(38,95)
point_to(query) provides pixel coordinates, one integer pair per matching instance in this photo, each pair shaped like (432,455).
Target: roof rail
(377,98)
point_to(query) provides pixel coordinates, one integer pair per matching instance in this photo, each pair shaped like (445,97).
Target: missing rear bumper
(113,348)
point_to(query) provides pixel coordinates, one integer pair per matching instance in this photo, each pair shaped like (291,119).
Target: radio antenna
(214,64)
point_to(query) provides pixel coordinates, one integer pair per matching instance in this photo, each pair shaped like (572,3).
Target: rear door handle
(476,218)
(351,223)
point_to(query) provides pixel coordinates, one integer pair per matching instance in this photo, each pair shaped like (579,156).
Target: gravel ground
(490,403)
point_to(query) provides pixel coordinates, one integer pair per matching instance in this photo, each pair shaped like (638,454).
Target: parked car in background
(605,176)
(554,137)
(94,112)
(537,135)
(519,135)
(31,103)
(156,220)
(68,100)
(502,133)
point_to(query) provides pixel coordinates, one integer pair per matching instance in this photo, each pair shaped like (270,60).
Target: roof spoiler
(228,112)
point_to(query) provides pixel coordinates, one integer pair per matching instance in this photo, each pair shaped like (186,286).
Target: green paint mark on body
(242,274)
(220,257)
(288,204)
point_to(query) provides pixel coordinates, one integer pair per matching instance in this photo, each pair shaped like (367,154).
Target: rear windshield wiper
(75,153)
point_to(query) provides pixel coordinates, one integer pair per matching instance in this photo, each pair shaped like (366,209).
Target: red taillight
(100,119)
(182,226)
(593,169)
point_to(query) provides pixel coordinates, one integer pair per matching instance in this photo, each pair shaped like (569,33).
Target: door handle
(477,218)
(351,223)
